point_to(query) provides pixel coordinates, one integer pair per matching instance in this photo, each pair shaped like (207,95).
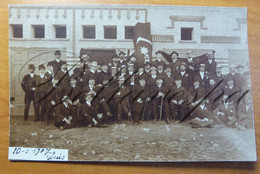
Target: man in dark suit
(64,75)
(40,97)
(190,62)
(54,97)
(64,115)
(90,74)
(172,59)
(158,93)
(140,97)
(185,76)
(88,112)
(122,59)
(201,117)
(175,100)
(29,87)
(122,100)
(210,63)
(225,113)
(57,62)
(245,114)
(202,76)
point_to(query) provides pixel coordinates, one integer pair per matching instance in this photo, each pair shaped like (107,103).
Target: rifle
(161,107)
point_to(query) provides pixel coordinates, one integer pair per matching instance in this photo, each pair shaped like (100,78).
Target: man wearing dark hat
(40,97)
(90,74)
(190,63)
(121,99)
(159,59)
(57,62)
(140,97)
(159,103)
(202,76)
(54,97)
(233,74)
(185,76)
(210,63)
(168,77)
(29,87)
(49,72)
(64,117)
(176,100)
(63,75)
(76,96)
(232,90)
(122,60)
(195,92)
(88,112)
(172,59)
(225,113)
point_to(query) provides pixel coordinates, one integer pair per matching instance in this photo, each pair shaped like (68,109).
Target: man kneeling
(64,114)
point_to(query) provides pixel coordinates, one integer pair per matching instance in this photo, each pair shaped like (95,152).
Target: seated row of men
(92,97)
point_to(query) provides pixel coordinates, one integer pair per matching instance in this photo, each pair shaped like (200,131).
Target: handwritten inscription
(38,154)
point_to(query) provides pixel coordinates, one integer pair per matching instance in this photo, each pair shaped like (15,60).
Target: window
(89,32)
(17,31)
(110,32)
(129,32)
(60,31)
(38,31)
(186,33)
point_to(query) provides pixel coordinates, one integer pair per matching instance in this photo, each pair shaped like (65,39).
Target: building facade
(35,32)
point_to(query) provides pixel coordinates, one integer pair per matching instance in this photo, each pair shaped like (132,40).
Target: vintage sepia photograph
(131,83)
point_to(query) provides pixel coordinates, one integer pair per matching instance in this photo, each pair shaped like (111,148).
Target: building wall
(221,29)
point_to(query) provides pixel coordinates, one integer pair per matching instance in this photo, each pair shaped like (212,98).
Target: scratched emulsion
(147,141)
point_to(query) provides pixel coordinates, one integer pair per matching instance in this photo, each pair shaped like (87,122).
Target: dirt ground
(147,141)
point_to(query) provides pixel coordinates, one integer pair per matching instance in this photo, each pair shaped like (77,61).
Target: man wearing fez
(40,97)
(210,63)
(29,87)
(64,117)
(57,62)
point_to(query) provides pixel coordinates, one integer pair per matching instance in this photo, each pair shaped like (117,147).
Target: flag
(142,41)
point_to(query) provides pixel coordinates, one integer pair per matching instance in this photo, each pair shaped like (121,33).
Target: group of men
(165,87)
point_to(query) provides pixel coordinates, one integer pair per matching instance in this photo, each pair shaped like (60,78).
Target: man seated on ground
(88,112)
(225,113)
(201,117)
(244,114)
(64,114)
